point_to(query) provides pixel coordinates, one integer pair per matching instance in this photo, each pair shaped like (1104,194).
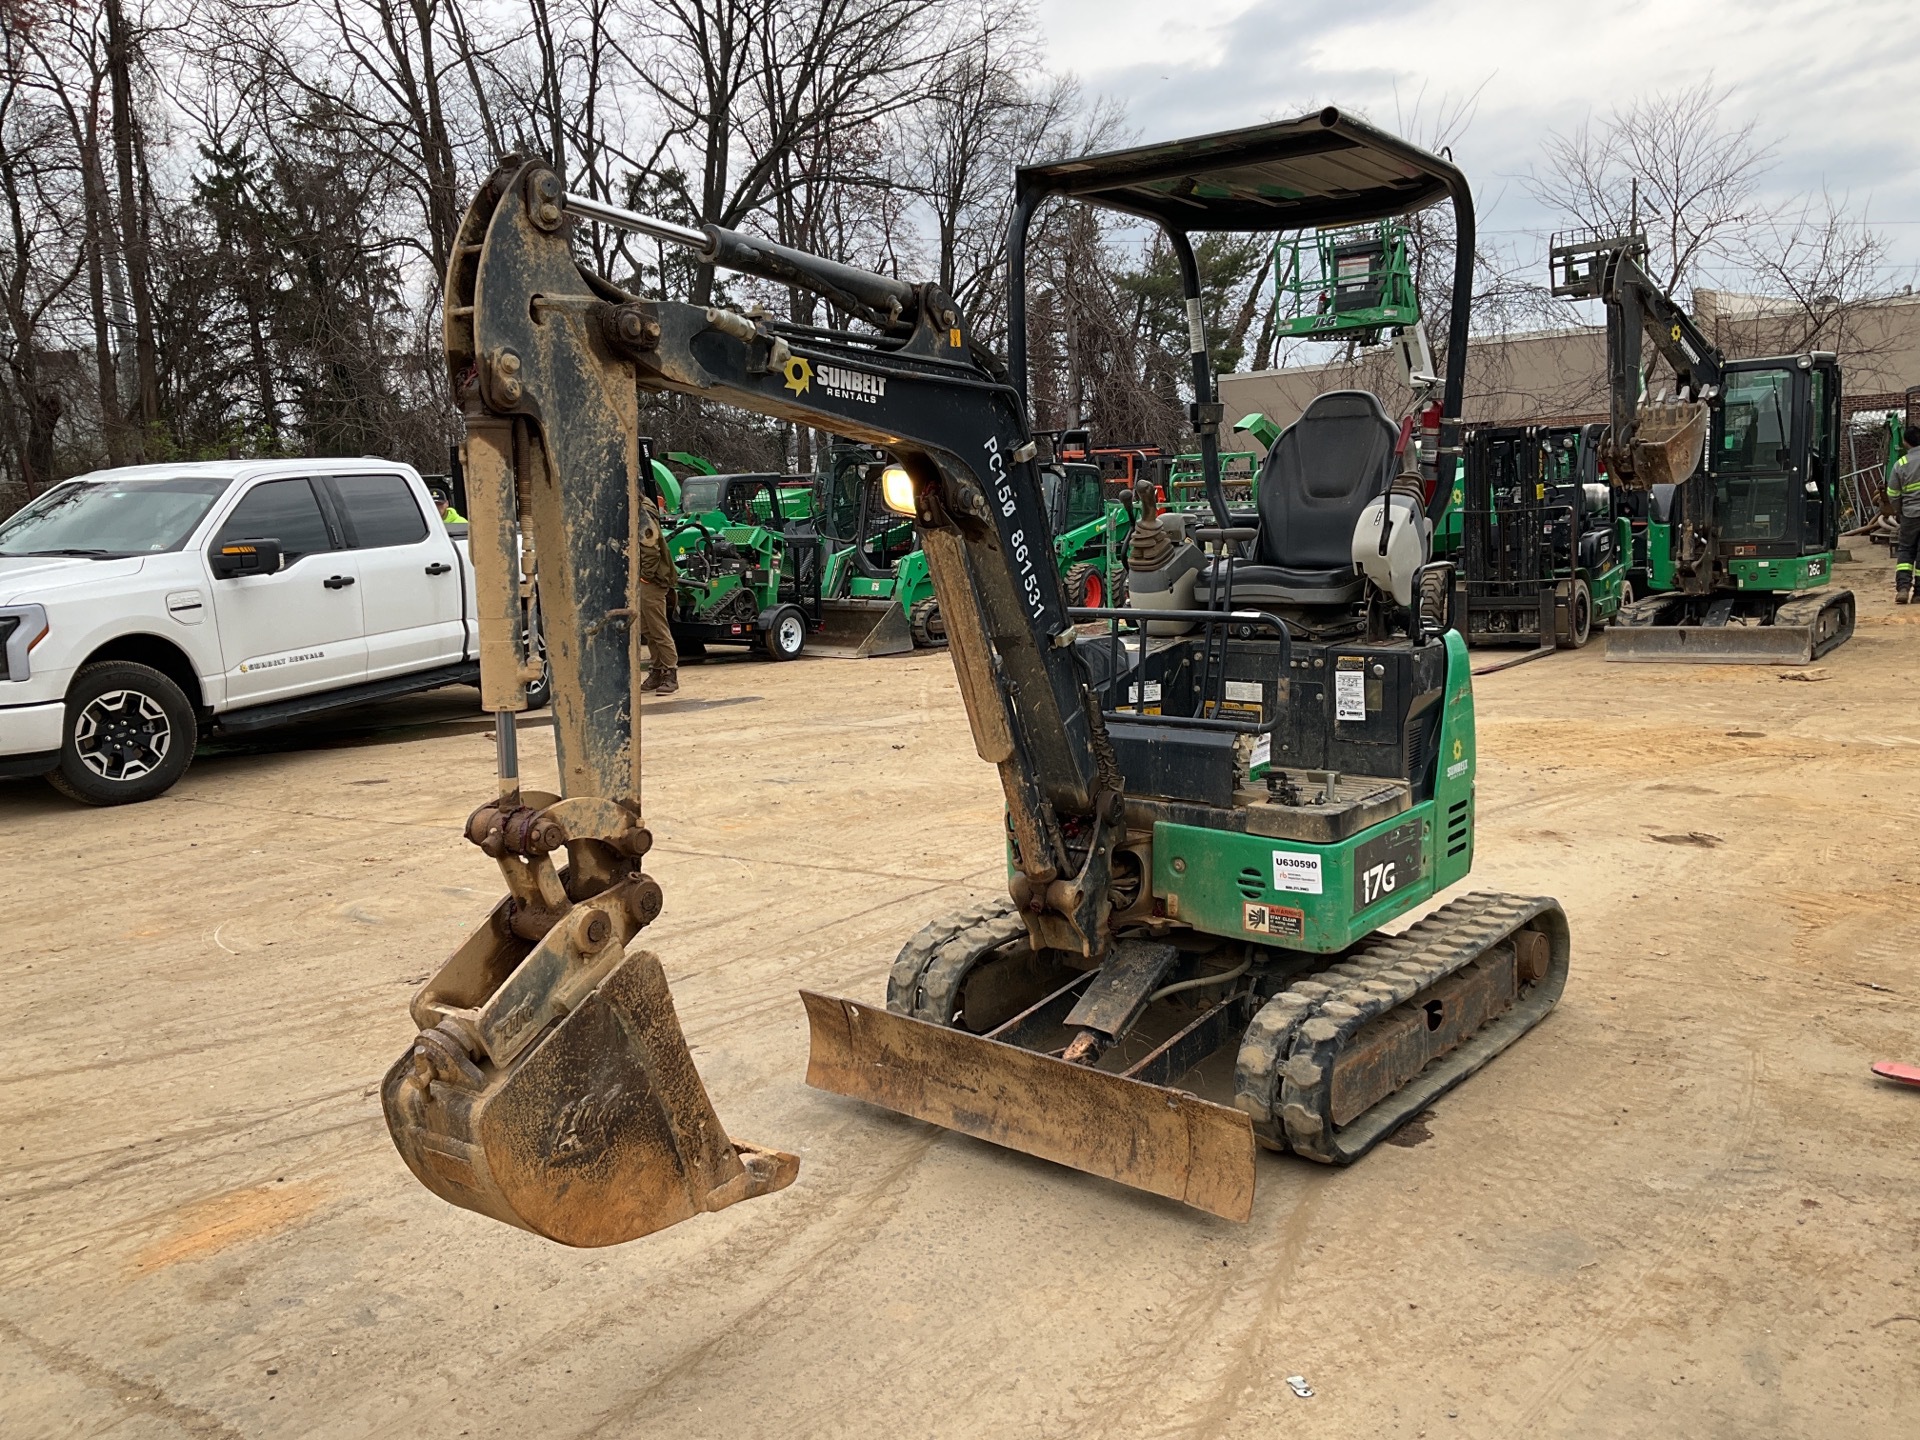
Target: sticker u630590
(1296,872)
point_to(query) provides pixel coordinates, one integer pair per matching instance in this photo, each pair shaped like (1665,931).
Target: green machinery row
(787,563)
(1690,525)
(1701,524)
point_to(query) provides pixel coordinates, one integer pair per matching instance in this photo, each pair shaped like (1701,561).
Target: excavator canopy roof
(1321,169)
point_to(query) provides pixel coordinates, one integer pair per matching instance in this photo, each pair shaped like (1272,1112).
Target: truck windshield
(106,518)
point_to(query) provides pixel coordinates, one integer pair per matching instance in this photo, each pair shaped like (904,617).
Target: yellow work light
(896,488)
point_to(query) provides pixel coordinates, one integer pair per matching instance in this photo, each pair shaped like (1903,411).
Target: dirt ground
(1682,1207)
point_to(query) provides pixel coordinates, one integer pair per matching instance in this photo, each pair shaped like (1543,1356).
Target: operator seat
(1323,471)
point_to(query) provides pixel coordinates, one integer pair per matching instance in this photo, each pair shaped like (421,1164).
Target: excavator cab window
(1755,466)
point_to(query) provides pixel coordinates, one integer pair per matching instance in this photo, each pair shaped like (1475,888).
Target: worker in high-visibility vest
(1903,503)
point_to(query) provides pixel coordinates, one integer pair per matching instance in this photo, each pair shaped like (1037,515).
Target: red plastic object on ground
(1896,1070)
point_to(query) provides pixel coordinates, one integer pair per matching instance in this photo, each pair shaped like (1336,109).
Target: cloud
(1831,85)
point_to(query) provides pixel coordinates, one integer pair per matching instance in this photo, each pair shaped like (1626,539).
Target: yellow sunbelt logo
(1459,750)
(799,373)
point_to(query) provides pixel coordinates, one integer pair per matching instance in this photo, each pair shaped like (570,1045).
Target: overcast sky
(1836,85)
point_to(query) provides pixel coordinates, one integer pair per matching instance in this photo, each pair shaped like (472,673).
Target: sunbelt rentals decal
(274,662)
(850,384)
(839,382)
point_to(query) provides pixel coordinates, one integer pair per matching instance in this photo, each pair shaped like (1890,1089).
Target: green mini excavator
(1737,472)
(1213,812)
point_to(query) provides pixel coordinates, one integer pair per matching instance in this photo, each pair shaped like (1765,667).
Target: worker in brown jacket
(658,580)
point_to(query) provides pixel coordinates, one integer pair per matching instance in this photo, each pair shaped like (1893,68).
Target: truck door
(298,630)
(409,574)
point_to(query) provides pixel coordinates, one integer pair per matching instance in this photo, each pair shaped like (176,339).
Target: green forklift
(1544,558)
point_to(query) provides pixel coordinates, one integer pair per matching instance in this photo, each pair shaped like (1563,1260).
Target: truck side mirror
(244,557)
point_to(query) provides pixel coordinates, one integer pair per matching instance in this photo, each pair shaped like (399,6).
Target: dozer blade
(859,629)
(1148,1136)
(1713,644)
(1668,441)
(598,1132)
(1805,627)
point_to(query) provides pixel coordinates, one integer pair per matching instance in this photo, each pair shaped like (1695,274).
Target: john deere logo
(799,373)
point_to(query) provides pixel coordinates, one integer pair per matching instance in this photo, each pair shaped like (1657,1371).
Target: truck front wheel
(130,734)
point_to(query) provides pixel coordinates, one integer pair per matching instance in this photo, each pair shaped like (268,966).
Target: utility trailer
(749,559)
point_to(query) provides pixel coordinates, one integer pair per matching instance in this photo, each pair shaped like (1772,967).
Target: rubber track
(1806,610)
(1645,611)
(927,974)
(1283,1077)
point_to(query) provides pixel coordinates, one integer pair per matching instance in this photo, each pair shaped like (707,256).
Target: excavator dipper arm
(550,1085)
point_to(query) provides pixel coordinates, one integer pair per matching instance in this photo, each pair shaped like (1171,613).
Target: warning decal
(1282,920)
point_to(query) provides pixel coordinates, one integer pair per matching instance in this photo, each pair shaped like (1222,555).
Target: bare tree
(1820,268)
(129,159)
(1671,164)
(742,83)
(39,261)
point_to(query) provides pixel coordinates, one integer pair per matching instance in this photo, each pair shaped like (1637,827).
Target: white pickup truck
(142,607)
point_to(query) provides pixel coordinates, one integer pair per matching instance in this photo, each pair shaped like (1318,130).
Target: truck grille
(8,624)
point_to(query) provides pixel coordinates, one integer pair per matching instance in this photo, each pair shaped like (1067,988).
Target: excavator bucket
(1148,1136)
(1668,440)
(596,1132)
(859,629)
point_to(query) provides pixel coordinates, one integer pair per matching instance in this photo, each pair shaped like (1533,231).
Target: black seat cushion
(1322,472)
(1319,476)
(1255,585)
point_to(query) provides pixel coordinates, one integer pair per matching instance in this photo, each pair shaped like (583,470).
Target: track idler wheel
(971,969)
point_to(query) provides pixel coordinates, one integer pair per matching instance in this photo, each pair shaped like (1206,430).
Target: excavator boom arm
(919,389)
(550,1085)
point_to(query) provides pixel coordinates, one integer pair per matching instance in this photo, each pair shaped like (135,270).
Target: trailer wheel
(786,637)
(1579,617)
(928,625)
